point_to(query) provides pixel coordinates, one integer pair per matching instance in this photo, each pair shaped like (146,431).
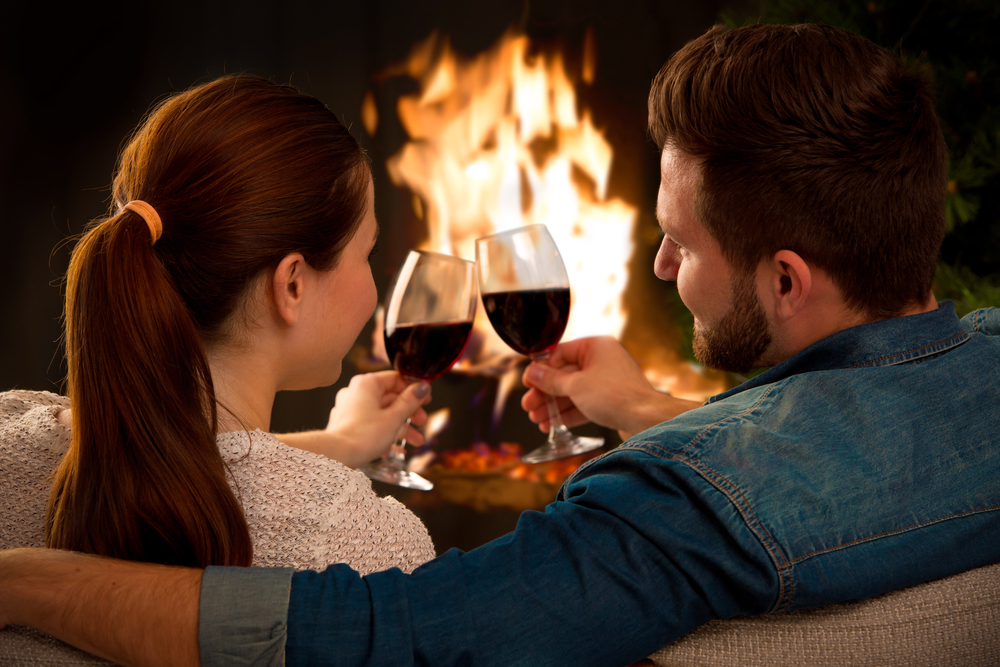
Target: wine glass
(525,291)
(428,319)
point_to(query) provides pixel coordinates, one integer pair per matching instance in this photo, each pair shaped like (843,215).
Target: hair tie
(149,214)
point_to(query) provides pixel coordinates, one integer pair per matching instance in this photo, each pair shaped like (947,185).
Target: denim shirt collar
(896,340)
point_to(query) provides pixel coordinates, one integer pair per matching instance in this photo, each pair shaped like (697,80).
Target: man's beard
(737,341)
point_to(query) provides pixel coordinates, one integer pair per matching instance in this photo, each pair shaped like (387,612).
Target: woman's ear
(288,287)
(789,282)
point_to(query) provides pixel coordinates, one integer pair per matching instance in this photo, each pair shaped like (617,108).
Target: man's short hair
(815,140)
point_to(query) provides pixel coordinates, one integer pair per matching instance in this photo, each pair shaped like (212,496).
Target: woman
(234,264)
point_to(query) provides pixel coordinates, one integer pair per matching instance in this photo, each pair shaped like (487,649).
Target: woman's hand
(369,413)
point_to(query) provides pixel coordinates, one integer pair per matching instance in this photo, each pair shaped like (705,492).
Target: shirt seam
(890,533)
(704,432)
(916,349)
(735,496)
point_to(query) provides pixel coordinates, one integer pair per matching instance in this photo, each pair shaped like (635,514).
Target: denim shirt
(865,463)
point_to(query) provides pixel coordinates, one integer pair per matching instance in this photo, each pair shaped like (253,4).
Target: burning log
(486,479)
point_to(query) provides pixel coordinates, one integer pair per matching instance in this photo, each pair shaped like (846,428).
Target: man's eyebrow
(669,232)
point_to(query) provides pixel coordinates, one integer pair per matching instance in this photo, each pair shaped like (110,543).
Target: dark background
(77,81)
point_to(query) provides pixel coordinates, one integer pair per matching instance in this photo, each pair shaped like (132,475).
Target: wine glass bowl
(525,291)
(529,321)
(428,319)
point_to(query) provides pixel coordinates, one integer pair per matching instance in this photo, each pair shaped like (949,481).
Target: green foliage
(967,290)
(953,44)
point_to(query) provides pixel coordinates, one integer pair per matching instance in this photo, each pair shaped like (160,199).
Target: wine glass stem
(397,452)
(557,429)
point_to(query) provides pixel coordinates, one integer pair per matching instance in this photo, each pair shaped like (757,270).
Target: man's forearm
(131,613)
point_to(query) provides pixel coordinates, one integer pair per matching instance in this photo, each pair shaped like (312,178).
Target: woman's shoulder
(256,449)
(32,442)
(271,475)
(29,420)
(19,401)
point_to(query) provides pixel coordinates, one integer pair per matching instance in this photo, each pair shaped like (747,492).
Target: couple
(802,205)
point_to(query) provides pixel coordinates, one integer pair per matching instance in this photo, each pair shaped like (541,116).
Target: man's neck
(927,306)
(828,315)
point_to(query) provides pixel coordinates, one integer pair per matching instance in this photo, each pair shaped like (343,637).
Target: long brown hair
(813,139)
(242,173)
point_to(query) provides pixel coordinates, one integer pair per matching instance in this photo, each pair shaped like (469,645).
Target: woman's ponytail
(143,408)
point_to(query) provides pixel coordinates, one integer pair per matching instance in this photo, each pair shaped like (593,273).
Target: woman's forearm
(134,614)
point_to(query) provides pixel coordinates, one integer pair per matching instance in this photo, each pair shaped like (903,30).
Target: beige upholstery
(23,646)
(953,622)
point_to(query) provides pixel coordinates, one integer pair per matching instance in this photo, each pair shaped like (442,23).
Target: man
(801,200)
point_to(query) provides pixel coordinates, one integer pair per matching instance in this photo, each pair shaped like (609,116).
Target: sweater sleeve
(307,511)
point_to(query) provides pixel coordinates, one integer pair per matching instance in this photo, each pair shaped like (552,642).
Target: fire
(500,141)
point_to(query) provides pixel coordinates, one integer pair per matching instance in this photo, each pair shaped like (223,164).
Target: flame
(500,141)
(436,422)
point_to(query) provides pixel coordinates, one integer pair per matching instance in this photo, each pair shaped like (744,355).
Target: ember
(505,460)
(488,479)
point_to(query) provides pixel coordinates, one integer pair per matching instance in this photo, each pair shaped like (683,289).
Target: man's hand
(596,379)
(367,416)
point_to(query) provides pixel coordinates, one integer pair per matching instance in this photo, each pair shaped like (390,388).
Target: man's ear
(790,282)
(287,287)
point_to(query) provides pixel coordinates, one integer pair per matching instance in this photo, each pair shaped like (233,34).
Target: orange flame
(498,141)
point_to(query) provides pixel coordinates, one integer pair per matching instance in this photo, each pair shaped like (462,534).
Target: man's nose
(667,260)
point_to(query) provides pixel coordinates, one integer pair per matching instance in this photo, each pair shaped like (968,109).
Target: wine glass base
(560,449)
(392,475)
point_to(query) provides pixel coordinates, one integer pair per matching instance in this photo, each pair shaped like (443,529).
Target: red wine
(530,321)
(426,351)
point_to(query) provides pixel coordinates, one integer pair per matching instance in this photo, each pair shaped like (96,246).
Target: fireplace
(522,131)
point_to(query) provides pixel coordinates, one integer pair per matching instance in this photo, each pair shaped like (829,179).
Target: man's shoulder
(984,321)
(708,421)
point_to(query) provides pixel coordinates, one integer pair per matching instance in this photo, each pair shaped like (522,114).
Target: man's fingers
(540,412)
(571,419)
(534,400)
(568,353)
(549,380)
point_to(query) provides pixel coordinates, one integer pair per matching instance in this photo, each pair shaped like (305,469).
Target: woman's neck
(244,390)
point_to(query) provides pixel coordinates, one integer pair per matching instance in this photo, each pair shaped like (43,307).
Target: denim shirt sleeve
(635,545)
(242,617)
